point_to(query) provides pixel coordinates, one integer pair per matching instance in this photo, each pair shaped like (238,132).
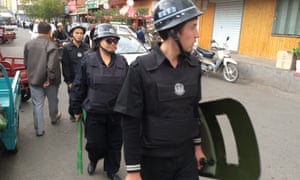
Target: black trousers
(183,167)
(69,108)
(104,139)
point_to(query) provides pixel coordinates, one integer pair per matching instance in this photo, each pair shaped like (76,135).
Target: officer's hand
(199,155)
(77,116)
(133,176)
(70,85)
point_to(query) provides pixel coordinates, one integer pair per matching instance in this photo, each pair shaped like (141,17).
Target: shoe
(58,117)
(40,134)
(113,176)
(91,167)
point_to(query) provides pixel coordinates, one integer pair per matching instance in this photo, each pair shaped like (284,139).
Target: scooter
(218,59)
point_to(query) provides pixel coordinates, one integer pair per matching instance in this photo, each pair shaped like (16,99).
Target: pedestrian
(88,38)
(95,89)
(68,28)
(60,34)
(31,25)
(71,56)
(159,100)
(140,35)
(44,76)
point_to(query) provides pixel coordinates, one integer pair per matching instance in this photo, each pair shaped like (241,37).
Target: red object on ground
(297,74)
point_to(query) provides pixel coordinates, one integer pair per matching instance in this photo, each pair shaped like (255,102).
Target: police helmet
(105,30)
(170,13)
(75,26)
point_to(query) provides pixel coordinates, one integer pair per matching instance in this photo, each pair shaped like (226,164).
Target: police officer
(71,56)
(159,101)
(96,88)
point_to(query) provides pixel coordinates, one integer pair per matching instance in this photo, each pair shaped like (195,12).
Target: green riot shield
(248,166)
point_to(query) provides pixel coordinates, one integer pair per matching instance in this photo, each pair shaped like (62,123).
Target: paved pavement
(264,71)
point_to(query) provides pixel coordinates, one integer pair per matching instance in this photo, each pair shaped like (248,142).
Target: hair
(44,28)
(96,44)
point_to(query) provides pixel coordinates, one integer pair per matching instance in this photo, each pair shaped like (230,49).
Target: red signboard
(117,2)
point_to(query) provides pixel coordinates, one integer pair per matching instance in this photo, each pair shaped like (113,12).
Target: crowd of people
(135,105)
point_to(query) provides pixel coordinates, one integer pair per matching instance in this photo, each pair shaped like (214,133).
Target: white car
(124,29)
(27,24)
(130,47)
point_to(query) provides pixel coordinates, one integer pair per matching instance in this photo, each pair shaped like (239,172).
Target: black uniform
(160,104)
(95,89)
(71,58)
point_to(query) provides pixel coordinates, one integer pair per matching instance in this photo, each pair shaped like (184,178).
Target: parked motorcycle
(218,59)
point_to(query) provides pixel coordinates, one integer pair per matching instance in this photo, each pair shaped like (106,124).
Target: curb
(284,80)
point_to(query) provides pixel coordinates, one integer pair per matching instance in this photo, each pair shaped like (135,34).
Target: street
(274,114)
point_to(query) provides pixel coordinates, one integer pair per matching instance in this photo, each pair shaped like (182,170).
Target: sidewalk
(263,71)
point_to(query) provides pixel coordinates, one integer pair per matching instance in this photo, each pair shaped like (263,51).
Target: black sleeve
(132,143)
(79,89)
(197,139)
(66,65)
(66,35)
(130,100)
(130,104)
(55,34)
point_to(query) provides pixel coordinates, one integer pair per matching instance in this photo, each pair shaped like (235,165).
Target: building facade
(256,28)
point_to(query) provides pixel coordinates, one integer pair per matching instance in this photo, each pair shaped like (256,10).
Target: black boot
(113,176)
(91,167)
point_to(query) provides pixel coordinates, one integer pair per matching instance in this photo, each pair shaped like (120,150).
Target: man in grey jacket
(44,76)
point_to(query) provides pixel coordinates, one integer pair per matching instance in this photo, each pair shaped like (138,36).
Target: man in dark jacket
(44,76)
(60,34)
(140,35)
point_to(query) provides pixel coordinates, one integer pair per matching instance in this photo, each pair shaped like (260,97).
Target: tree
(45,9)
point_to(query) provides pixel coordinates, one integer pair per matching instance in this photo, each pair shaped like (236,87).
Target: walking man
(44,76)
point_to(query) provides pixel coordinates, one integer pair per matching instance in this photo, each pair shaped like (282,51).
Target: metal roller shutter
(227,22)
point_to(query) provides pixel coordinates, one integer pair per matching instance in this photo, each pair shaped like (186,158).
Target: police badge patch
(179,89)
(79,54)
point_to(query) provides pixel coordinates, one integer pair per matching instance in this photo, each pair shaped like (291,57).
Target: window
(287,18)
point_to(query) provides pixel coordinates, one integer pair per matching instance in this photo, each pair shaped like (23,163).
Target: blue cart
(10,100)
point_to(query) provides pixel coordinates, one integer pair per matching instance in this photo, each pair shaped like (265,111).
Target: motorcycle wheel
(230,73)
(25,96)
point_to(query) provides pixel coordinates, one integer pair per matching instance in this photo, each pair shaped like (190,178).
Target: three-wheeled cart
(10,100)
(6,36)
(12,65)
